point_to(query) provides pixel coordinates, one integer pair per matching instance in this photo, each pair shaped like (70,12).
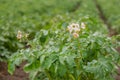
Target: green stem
(71,76)
(48,75)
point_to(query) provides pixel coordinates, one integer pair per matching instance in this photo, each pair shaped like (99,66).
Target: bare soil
(19,74)
(118,76)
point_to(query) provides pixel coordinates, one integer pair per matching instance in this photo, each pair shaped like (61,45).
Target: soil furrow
(104,19)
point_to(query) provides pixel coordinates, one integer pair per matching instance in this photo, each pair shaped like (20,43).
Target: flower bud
(75,35)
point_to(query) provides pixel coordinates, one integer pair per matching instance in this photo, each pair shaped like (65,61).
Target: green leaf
(35,65)
(70,60)
(48,62)
(62,59)
(11,68)
(42,58)
(33,75)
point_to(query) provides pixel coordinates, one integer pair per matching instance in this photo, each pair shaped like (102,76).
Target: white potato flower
(83,25)
(74,27)
(19,35)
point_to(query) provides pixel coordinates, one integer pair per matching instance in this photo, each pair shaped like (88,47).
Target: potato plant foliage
(58,54)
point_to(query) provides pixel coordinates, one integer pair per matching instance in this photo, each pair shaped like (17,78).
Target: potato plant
(71,52)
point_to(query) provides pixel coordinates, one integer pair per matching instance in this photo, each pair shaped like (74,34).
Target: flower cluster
(20,35)
(74,29)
